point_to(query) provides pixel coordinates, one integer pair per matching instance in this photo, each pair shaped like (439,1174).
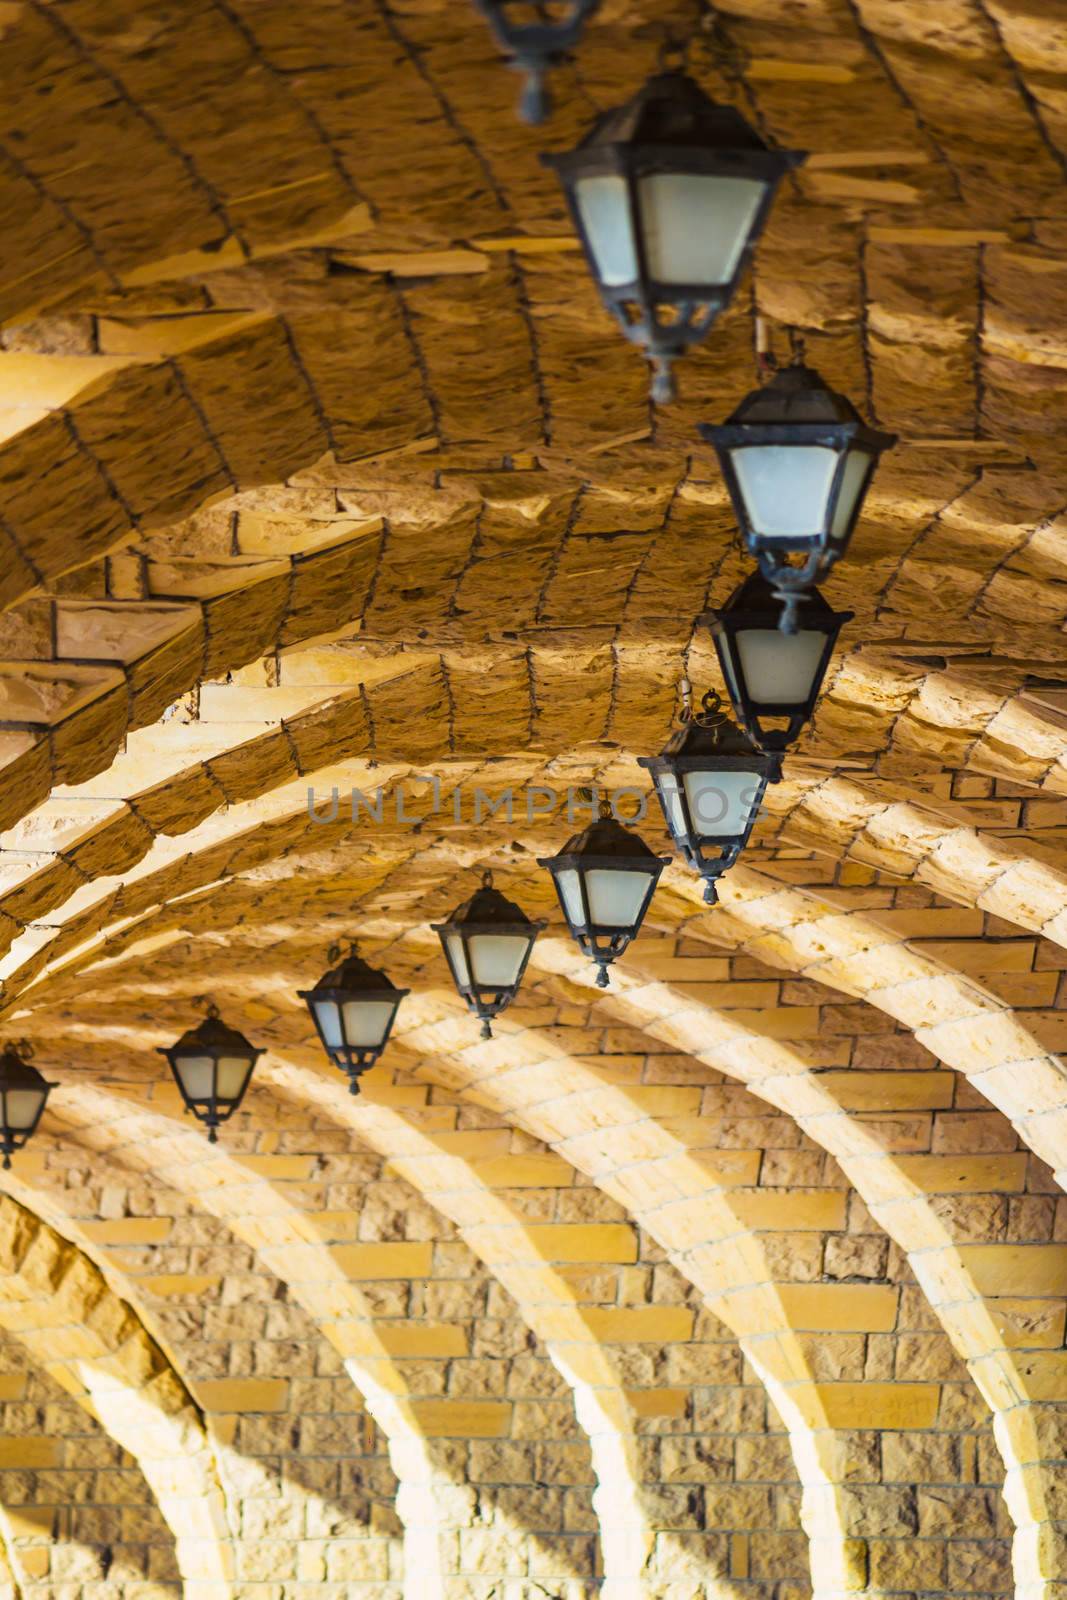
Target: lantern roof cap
(797,395)
(215,1035)
(719,738)
(487,907)
(608,838)
(355,975)
(18,1073)
(671,109)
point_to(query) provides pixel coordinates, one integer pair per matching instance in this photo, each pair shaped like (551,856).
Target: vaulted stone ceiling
(321,468)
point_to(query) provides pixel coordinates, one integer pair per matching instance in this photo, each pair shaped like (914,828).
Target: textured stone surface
(321,469)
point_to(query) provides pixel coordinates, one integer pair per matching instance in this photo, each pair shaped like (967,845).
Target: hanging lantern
(354,1008)
(710,780)
(669,194)
(538,43)
(798,460)
(212,1066)
(772,675)
(605,878)
(487,943)
(23,1095)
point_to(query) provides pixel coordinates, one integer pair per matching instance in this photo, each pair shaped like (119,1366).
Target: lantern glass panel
(615,898)
(720,803)
(196,1073)
(786,488)
(233,1070)
(367,1021)
(22,1107)
(497,958)
(604,205)
(853,482)
(695,225)
(457,954)
(779,668)
(570,889)
(670,795)
(329,1020)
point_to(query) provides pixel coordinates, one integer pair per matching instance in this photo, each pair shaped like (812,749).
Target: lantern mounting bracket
(536,46)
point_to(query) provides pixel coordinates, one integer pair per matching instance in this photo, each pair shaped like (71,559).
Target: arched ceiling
(322,469)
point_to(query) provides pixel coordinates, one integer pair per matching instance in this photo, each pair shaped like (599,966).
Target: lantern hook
(798,347)
(213,1012)
(333,953)
(487,878)
(673,51)
(711,714)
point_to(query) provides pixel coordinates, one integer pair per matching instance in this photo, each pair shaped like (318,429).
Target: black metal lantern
(487,943)
(605,878)
(710,780)
(23,1095)
(536,34)
(798,460)
(771,675)
(353,1008)
(212,1066)
(669,194)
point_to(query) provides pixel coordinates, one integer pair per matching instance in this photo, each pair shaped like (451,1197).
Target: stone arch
(57,1303)
(731,1247)
(958,1275)
(987,1391)
(289,1240)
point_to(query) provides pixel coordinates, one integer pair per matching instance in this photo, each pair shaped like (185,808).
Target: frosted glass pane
(367,1020)
(786,488)
(696,225)
(672,802)
(779,667)
(233,1070)
(497,957)
(720,802)
(571,890)
(196,1074)
(605,212)
(459,958)
(329,1020)
(851,486)
(22,1106)
(615,898)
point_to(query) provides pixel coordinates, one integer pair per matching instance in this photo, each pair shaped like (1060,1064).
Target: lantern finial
(664,386)
(535,103)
